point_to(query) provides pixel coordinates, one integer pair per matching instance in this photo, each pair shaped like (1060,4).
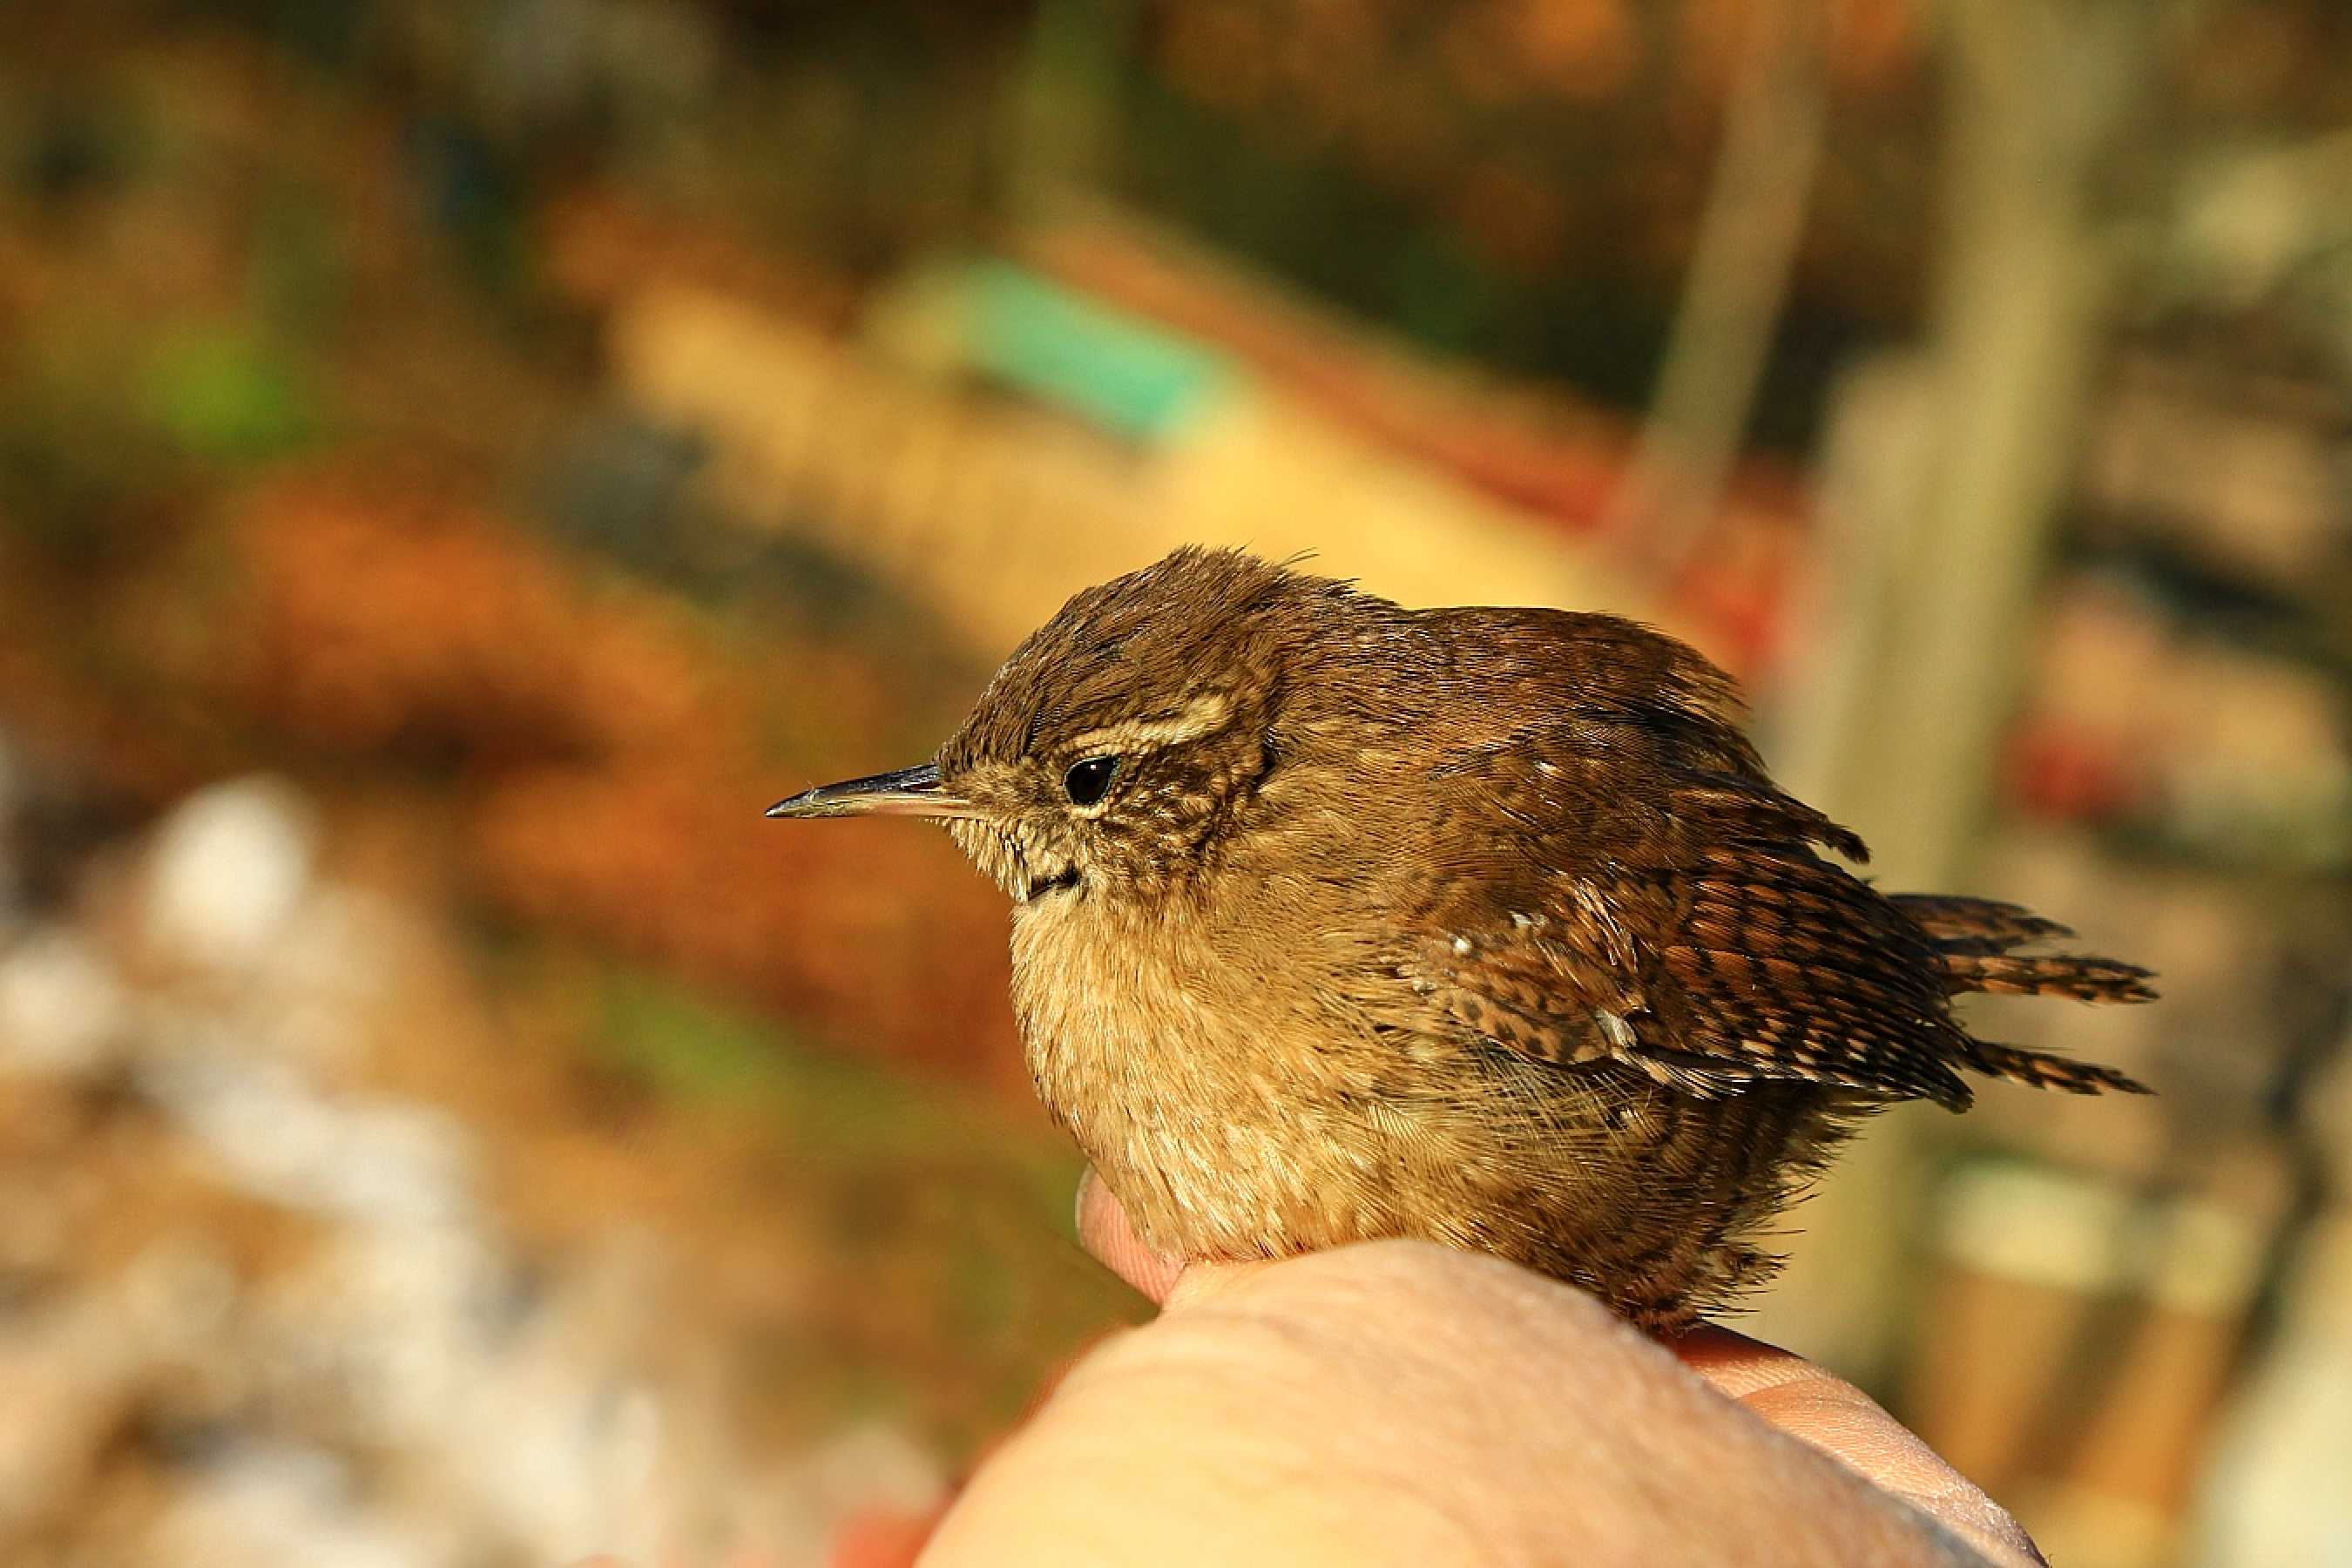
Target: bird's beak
(910,792)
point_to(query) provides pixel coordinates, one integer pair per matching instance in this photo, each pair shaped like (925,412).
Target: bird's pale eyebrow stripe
(1203,713)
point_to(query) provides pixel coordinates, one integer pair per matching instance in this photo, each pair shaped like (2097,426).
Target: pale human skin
(1402,1403)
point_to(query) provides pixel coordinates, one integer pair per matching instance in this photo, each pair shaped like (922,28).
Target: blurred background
(459,460)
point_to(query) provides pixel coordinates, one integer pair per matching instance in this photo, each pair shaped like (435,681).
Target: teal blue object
(1117,370)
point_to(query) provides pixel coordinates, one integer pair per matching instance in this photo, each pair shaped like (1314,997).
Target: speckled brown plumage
(1480,925)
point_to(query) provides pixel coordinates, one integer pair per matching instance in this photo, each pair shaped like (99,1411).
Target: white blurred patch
(62,1010)
(228,870)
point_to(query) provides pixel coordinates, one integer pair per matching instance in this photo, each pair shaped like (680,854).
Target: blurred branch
(1063,115)
(1733,295)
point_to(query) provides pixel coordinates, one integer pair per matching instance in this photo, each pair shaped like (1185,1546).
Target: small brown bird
(1337,920)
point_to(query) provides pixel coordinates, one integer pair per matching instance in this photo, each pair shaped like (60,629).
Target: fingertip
(1818,1408)
(1105,1232)
(1736,1366)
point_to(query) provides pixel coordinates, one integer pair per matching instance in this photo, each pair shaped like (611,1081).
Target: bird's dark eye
(1089,781)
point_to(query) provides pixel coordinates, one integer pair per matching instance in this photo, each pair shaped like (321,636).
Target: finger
(1736,1366)
(1822,1409)
(1104,1231)
(878,1538)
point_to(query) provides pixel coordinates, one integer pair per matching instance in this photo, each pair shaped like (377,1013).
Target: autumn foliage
(609,750)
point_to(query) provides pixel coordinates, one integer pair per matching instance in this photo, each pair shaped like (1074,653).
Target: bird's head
(1125,738)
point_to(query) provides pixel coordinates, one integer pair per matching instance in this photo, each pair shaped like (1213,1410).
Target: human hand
(1399,1401)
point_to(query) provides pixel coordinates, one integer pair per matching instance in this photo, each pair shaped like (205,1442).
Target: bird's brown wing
(1648,910)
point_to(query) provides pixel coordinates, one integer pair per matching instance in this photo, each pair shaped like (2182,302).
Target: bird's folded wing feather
(1691,930)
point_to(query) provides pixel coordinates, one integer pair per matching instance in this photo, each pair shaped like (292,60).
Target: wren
(1336,921)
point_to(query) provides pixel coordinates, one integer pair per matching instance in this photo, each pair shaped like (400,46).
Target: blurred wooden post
(1945,478)
(2037,89)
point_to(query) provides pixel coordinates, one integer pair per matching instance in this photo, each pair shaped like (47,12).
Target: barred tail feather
(1985,924)
(1973,939)
(2044,1070)
(2086,979)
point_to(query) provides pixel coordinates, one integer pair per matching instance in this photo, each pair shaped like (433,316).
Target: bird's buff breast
(1164,1059)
